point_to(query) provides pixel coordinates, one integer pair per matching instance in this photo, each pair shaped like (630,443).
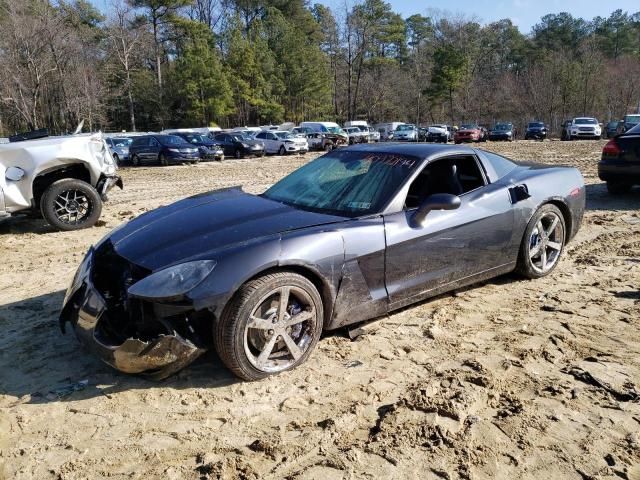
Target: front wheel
(237,154)
(71,204)
(162,160)
(271,325)
(542,243)
(135,160)
(282,150)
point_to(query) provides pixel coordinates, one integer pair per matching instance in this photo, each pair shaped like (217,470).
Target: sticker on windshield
(392,160)
(359,205)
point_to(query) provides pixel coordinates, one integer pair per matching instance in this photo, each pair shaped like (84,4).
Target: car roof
(420,150)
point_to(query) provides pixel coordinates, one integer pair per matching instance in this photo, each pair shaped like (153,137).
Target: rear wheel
(271,325)
(617,188)
(116,159)
(135,160)
(237,154)
(542,243)
(71,204)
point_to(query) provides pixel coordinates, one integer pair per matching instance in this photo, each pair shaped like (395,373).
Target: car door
(450,245)
(266,138)
(153,150)
(224,140)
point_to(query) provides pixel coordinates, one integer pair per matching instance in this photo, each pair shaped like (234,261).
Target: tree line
(153,64)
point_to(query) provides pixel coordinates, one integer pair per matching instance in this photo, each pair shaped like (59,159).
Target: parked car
(319,141)
(355,135)
(119,148)
(405,133)
(209,150)
(352,235)
(239,145)
(438,133)
(613,128)
(619,165)
(536,131)
(470,132)
(366,135)
(629,122)
(585,127)
(331,129)
(162,150)
(503,131)
(64,179)
(281,142)
(387,129)
(374,135)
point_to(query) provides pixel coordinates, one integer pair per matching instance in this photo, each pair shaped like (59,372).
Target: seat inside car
(455,175)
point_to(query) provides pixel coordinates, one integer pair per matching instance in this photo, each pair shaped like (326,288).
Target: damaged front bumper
(106,183)
(156,356)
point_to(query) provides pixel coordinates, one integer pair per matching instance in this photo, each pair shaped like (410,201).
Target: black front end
(536,133)
(130,334)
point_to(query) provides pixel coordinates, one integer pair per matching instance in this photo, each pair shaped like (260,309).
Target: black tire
(617,188)
(237,154)
(282,150)
(162,160)
(231,337)
(135,160)
(116,159)
(328,147)
(526,266)
(87,206)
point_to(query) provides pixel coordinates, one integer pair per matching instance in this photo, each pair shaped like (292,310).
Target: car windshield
(241,137)
(612,124)
(536,125)
(585,121)
(196,138)
(503,126)
(405,128)
(336,130)
(348,183)
(121,142)
(468,126)
(172,140)
(284,135)
(632,119)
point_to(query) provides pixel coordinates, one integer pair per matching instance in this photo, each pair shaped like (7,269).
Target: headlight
(288,141)
(174,150)
(244,145)
(172,282)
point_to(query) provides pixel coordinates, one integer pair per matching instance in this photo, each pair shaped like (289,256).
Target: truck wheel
(71,204)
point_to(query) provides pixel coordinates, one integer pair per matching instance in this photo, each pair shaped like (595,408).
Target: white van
(356,123)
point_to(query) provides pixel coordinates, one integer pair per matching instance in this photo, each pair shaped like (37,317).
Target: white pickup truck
(64,179)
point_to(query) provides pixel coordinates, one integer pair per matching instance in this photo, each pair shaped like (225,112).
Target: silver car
(65,179)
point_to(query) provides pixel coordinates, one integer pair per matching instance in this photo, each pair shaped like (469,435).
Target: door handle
(519,193)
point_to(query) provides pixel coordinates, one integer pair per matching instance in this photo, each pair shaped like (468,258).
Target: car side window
(501,165)
(153,142)
(455,175)
(261,135)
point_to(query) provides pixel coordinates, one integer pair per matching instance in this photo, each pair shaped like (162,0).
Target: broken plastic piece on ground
(67,390)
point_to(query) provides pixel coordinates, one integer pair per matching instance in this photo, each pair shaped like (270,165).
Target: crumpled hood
(202,224)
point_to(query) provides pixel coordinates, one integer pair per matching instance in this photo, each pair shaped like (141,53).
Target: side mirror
(437,201)
(14,174)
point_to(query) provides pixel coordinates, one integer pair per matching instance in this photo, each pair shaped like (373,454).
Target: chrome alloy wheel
(280,329)
(546,242)
(72,207)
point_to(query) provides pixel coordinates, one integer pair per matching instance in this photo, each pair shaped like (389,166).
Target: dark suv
(163,150)
(620,162)
(209,150)
(536,131)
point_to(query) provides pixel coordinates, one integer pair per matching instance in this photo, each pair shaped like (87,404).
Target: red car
(469,132)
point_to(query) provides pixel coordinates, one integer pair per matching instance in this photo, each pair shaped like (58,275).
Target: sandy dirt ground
(510,379)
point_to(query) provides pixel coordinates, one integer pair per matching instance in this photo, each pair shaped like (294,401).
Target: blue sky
(523,13)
